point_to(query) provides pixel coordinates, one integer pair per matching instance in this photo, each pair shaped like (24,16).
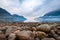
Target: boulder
(41,35)
(44,27)
(24,35)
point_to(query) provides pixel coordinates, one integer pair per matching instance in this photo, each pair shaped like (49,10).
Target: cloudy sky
(30,9)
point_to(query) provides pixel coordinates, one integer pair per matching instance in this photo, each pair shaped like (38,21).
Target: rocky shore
(29,31)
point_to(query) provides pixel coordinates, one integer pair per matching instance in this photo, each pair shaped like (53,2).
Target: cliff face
(5,16)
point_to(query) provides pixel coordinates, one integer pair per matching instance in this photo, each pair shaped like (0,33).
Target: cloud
(53,5)
(26,7)
(30,8)
(10,5)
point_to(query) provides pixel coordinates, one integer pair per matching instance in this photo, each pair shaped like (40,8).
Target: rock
(44,27)
(29,31)
(37,39)
(41,35)
(34,32)
(33,29)
(10,29)
(48,39)
(27,28)
(54,34)
(25,35)
(11,36)
(17,31)
(58,27)
(58,32)
(3,29)
(2,36)
(54,28)
(58,38)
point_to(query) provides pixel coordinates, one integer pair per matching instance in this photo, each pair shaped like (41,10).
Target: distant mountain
(53,13)
(53,16)
(7,17)
(3,12)
(18,18)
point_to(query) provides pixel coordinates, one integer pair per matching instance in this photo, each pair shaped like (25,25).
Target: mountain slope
(18,18)
(4,12)
(53,16)
(7,17)
(53,13)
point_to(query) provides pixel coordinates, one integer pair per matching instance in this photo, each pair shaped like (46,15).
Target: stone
(11,36)
(33,29)
(53,34)
(48,39)
(2,36)
(10,29)
(37,39)
(41,35)
(58,32)
(58,38)
(44,27)
(25,35)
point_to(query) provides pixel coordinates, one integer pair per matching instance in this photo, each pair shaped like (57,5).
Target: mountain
(5,16)
(53,16)
(53,13)
(4,13)
(18,18)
